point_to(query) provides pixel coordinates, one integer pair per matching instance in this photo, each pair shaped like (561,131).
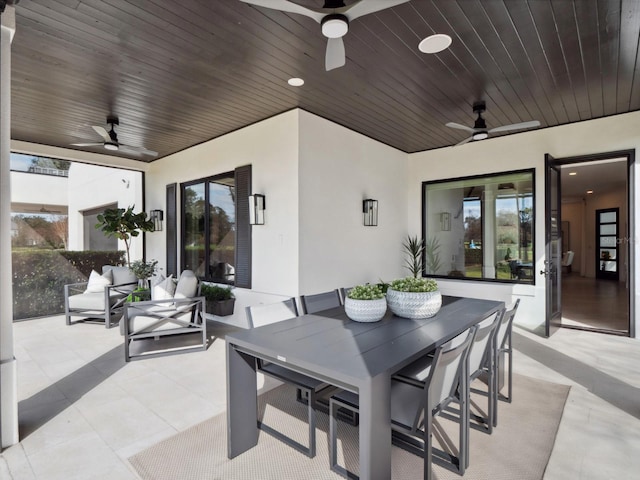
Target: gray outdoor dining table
(360,357)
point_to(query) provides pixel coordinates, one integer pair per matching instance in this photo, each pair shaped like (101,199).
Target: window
(209,228)
(480,227)
(216,235)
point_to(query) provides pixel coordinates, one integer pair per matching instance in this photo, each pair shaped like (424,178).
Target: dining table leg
(242,403)
(375,428)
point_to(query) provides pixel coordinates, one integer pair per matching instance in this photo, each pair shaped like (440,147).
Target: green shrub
(366,292)
(411,284)
(215,293)
(39,277)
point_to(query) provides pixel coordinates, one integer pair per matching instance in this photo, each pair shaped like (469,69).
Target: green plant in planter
(411,284)
(144,270)
(366,292)
(123,224)
(220,300)
(414,250)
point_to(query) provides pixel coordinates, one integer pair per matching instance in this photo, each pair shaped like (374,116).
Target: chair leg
(309,451)
(334,406)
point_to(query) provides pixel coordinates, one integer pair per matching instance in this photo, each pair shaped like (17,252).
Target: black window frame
(530,279)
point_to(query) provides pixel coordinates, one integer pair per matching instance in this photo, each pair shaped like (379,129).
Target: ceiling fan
(111,140)
(334,18)
(479,131)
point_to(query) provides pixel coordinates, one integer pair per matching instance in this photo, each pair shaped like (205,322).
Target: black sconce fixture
(156,216)
(256,209)
(370,212)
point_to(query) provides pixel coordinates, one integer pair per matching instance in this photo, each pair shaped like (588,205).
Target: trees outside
(44,231)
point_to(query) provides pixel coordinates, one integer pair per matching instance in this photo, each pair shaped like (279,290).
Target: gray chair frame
(197,323)
(321,301)
(412,437)
(305,385)
(110,312)
(503,348)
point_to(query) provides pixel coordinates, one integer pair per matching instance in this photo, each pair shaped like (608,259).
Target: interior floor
(595,304)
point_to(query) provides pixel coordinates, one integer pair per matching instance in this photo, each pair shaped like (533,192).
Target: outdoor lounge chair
(102,298)
(174,310)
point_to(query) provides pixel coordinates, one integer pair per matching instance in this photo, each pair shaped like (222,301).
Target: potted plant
(143,271)
(220,301)
(365,303)
(124,224)
(414,297)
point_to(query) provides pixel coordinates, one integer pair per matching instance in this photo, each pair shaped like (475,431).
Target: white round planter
(414,305)
(365,310)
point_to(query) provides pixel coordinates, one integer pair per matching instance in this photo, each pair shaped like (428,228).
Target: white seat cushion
(92,301)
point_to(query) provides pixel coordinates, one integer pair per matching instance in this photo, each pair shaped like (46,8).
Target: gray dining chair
(320,301)
(413,407)
(259,315)
(504,349)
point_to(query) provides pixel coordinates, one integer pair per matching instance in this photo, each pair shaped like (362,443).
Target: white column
(8,373)
(489,240)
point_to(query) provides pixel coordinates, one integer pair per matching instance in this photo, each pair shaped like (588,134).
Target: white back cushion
(187,285)
(164,289)
(97,282)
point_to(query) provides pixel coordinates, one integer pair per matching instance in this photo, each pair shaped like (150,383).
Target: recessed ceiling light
(295,82)
(573,173)
(435,43)
(589,192)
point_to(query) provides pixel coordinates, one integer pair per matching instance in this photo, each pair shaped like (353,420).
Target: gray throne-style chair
(101,298)
(174,310)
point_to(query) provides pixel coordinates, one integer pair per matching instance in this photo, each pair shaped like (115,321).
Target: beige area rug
(519,447)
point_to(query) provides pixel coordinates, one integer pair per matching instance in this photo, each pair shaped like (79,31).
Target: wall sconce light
(370,212)
(256,209)
(156,216)
(445,221)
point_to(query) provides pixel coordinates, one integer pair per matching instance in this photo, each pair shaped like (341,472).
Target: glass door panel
(607,244)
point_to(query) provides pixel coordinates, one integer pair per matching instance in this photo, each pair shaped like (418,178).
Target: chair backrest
(259,315)
(446,367)
(344,292)
(506,323)
(483,340)
(121,275)
(320,301)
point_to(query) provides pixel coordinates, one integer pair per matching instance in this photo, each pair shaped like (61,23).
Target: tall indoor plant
(123,224)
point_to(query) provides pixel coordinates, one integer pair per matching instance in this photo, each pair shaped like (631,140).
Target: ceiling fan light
(111,146)
(480,135)
(435,43)
(335,26)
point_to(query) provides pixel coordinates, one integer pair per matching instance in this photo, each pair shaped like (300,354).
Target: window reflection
(490,232)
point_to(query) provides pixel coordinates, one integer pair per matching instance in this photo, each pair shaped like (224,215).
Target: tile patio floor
(83,411)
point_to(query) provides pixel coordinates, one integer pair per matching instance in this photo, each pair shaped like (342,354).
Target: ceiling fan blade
(459,127)
(88,144)
(335,56)
(358,9)
(463,141)
(516,126)
(142,150)
(285,6)
(102,132)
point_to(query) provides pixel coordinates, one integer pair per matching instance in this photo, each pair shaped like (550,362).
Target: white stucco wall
(271,148)
(93,186)
(524,150)
(338,169)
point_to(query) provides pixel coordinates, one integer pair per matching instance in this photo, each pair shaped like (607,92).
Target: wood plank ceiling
(180,73)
